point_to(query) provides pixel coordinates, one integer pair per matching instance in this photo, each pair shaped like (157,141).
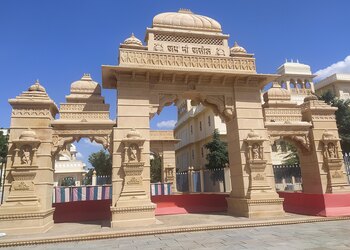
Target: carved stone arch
(301,142)
(60,141)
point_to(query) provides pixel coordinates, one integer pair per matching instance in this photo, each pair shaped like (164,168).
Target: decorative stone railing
(166,60)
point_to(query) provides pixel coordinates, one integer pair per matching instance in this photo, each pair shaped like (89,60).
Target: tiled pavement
(320,235)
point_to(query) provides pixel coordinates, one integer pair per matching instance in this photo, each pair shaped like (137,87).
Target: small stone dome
(277,93)
(133,134)
(328,135)
(132,40)
(85,86)
(185,19)
(236,49)
(253,135)
(37,87)
(310,97)
(27,135)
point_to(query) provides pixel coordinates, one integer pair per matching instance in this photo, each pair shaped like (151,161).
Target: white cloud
(80,155)
(338,67)
(170,124)
(88,142)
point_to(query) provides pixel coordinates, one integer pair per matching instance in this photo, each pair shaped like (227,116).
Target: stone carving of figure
(256,151)
(25,158)
(133,153)
(331,150)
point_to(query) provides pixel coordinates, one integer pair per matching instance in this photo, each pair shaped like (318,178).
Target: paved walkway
(320,235)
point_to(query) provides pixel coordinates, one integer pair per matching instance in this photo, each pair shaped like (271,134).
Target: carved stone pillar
(253,194)
(23,172)
(133,206)
(258,185)
(27,206)
(334,164)
(322,168)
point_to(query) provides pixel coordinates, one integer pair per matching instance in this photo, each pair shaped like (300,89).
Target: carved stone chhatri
(23,173)
(133,201)
(256,163)
(333,164)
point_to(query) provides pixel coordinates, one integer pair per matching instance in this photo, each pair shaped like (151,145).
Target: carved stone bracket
(221,105)
(159,101)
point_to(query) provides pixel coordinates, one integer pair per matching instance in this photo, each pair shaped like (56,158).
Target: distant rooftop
(337,77)
(294,68)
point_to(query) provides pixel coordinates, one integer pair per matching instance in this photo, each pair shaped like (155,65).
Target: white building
(67,166)
(194,128)
(338,84)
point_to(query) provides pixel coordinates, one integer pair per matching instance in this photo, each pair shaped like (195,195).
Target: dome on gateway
(85,86)
(185,19)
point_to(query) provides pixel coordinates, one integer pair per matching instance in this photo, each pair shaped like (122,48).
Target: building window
(209,121)
(200,126)
(191,130)
(192,154)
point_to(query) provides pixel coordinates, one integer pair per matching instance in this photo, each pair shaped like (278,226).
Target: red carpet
(80,211)
(190,203)
(327,205)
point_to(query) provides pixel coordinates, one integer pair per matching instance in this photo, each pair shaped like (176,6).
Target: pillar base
(255,208)
(133,215)
(26,223)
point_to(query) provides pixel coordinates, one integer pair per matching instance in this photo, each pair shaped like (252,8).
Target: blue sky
(57,41)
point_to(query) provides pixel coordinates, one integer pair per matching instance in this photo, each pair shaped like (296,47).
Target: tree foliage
(342,117)
(292,157)
(156,169)
(3,147)
(102,162)
(218,154)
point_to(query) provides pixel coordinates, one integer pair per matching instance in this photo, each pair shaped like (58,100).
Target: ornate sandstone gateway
(185,56)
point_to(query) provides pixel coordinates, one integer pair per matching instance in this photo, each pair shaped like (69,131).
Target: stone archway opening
(82,194)
(286,165)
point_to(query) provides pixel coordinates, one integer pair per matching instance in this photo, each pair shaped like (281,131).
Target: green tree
(156,169)
(292,157)
(3,147)
(217,156)
(102,162)
(3,151)
(342,117)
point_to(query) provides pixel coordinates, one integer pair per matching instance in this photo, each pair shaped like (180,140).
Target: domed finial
(311,97)
(86,77)
(37,87)
(132,40)
(186,11)
(236,49)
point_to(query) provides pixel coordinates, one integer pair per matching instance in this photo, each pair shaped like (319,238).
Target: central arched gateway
(186,56)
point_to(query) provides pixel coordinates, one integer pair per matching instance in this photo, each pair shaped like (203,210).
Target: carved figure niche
(26,155)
